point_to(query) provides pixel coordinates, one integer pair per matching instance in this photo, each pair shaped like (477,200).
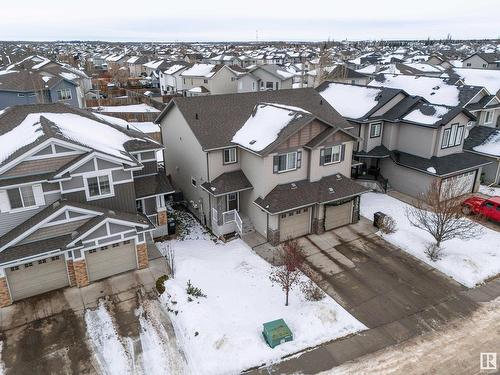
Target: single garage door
(294,224)
(463,183)
(37,277)
(337,216)
(110,260)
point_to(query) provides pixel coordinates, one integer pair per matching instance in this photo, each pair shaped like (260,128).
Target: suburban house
(273,77)
(406,142)
(171,80)
(482,61)
(485,141)
(209,79)
(276,161)
(135,65)
(80,197)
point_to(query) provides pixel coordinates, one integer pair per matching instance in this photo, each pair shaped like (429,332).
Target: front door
(232,201)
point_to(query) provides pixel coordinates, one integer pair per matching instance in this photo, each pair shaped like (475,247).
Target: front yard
(468,262)
(221,333)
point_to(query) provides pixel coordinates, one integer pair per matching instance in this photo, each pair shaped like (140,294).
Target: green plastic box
(276,332)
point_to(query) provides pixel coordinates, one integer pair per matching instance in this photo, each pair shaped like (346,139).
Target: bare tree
(438,211)
(119,75)
(287,274)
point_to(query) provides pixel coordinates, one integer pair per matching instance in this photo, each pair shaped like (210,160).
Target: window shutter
(342,152)
(322,156)
(4,201)
(299,159)
(38,193)
(275,163)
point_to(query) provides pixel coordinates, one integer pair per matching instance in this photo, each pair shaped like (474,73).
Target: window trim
(372,125)
(452,140)
(23,207)
(339,153)
(59,96)
(229,153)
(195,185)
(287,155)
(486,114)
(97,175)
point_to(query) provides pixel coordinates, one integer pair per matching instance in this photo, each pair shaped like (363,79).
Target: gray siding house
(278,162)
(80,198)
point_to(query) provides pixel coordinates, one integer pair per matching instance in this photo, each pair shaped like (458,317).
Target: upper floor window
(98,187)
(21,197)
(269,85)
(375,129)
(64,94)
(287,162)
(488,117)
(230,155)
(468,64)
(452,136)
(330,155)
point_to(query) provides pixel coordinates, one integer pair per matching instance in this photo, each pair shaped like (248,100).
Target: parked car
(487,207)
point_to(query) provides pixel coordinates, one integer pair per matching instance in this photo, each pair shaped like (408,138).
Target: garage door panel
(461,184)
(295,224)
(108,261)
(337,216)
(44,276)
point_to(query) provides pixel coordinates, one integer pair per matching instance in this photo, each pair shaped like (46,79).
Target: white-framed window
(20,95)
(375,129)
(98,186)
(332,155)
(64,94)
(193,181)
(21,197)
(287,162)
(452,136)
(488,117)
(230,155)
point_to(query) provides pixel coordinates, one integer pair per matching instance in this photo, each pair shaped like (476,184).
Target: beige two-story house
(278,162)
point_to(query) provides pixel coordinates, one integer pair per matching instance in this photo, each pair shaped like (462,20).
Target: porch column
(5,298)
(71,272)
(162,216)
(141,250)
(80,269)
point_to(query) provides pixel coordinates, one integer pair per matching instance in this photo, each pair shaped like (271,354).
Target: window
(205,81)
(27,265)
(91,251)
(468,64)
(104,248)
(230,155)
(488,117)
(98,186)
(375,129)
(269,85)
(452,136)
(116,245)
(332,154)
(15,268)
(126,242)
(287,162)
(283,216)
(21,197)
(138,206)
(20,95)
(55,258)
(64,94)
(42,261)
(193,181)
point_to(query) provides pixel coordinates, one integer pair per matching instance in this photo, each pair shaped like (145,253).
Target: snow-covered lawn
(468,262)
(490,190)
(222,333)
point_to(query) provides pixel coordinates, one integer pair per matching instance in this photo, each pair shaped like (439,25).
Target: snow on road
(109,350)
(221,334)
(468,262)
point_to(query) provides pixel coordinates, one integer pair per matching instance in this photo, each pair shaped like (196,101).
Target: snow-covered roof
(488,78)
(491,145)
(265,124)
(174,69)
(427,114)
(199,70)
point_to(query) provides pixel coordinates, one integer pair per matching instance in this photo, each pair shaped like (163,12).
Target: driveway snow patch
(468,262)
(222,332)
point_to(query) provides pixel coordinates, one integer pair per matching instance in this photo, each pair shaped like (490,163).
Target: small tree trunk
(286,297)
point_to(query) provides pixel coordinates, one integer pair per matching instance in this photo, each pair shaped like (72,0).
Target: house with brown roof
(80,197)
(277,162)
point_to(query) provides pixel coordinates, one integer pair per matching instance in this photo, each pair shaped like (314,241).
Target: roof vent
(253,141)
(330,190)
(321,102)
(339,177)
(294,186)
(74,234)
(196,116)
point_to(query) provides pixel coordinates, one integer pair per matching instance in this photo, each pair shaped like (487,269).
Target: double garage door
(110,260)
(294,224)
(37,277)
(337,216)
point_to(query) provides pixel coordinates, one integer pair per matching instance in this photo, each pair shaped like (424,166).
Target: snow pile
(431,170)
(351,101)
(435,90)
(222,333)
(468,262)
(110,351)
(132,108)
(22,135)
(491,145)
(489,190)
(427,118)
(264,125)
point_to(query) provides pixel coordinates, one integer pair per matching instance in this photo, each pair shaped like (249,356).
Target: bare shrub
(388,225)
(311,291)
(433,251)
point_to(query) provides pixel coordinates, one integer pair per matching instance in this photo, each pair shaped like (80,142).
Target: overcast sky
(231,20)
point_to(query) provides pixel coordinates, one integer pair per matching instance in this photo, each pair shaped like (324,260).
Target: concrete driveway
(46,334)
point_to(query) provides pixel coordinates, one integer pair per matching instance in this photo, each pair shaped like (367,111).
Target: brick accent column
(71,272)
(273,236)
(162,216)
(81,276)
(318,226)
(5,298)
(142,255)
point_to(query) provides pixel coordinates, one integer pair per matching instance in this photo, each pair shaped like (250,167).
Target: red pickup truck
(487,207)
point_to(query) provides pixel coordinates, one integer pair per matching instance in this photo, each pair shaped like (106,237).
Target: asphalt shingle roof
(227,183)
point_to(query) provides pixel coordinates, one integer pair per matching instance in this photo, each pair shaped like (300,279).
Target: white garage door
(110,260)
(337,216)
(461,184)
(294,224)
(37,277)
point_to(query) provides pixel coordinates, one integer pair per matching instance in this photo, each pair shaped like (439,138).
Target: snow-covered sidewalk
(222,333)
(468,262)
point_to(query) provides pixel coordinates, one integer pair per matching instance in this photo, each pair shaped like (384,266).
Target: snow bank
(468,262)
(110,351)
(489,190)
(264,125)
(351,101)
(222,333)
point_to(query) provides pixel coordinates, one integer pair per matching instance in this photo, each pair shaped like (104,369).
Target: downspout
(209,200)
